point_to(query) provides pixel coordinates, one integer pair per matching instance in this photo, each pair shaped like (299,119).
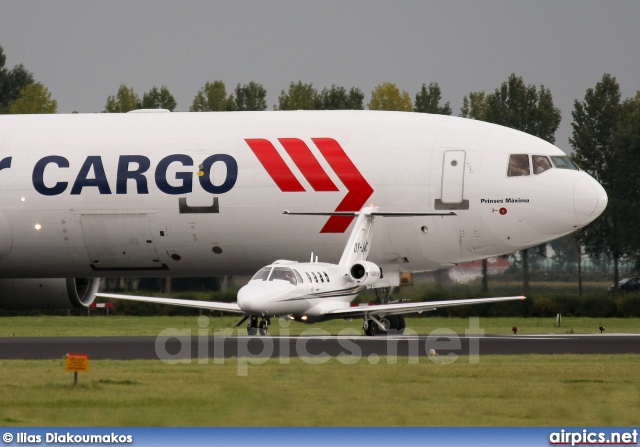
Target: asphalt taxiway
(183,347)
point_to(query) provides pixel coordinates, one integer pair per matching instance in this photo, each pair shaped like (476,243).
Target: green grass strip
(528,390)
(46,326)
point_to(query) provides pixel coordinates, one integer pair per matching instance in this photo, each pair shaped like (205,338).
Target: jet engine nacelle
(48,293)
(365,273)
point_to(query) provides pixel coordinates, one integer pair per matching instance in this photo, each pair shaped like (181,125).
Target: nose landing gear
(253,328)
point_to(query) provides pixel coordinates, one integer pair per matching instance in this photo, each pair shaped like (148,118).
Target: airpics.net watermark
(313,346)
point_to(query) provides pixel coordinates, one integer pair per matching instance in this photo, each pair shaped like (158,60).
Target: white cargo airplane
(86,196)
(315,291)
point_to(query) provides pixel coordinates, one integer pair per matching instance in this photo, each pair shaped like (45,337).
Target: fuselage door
(452,186)
(120,242)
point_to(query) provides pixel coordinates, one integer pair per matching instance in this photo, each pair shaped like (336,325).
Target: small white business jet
(316,291)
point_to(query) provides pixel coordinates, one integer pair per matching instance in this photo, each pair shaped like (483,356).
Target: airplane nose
(244,298)
(589,200)
(258,297)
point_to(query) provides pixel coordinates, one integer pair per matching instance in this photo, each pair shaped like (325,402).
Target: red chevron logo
(358,188)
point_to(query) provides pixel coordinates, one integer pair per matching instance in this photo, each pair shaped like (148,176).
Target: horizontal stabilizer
(359,243)
(376,213)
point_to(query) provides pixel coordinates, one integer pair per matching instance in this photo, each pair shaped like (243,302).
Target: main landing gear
(253,327)
(387,325)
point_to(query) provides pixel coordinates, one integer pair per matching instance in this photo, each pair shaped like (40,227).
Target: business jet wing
(211,305)
(405,308)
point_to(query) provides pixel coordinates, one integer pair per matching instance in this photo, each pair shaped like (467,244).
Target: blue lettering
(83,181)
(38,175)
(5,163)
(186,177)
(229,181)
(135,167)
(136,175)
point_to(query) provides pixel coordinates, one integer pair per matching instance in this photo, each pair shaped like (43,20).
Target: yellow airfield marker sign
(76,363)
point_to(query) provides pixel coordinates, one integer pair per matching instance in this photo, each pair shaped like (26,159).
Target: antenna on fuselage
(311,260)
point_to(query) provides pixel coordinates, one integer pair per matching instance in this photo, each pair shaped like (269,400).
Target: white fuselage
(199,194)
(314,290)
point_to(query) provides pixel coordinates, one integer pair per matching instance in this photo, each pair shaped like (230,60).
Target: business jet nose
(248,296)
(589,199)
(258,297)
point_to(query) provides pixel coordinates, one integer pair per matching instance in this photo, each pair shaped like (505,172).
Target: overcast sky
(83,50)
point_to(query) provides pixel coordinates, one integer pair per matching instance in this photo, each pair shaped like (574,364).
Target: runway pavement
(185,348)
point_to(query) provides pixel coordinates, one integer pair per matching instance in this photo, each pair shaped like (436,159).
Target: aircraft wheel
(386,324)
(372,328)
(393,320)
(252,326)
(264,327)
(401,324)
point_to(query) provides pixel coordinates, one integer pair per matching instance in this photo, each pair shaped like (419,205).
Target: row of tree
(20,93)
(300,96)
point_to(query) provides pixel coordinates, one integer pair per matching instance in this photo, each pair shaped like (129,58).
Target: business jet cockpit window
(283,274)
(564,162)
(541,163)
(518,165)
(262,274)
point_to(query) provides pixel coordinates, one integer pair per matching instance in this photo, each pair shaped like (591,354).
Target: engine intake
(48,293)
(365,273)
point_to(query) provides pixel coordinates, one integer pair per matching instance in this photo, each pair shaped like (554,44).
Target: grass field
(528,390)
(46,326)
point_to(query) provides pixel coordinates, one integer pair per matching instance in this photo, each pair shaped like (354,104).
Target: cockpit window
(518,165)
(564,162)
(283,274)
(541,163)
(298,276)
(262,274)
